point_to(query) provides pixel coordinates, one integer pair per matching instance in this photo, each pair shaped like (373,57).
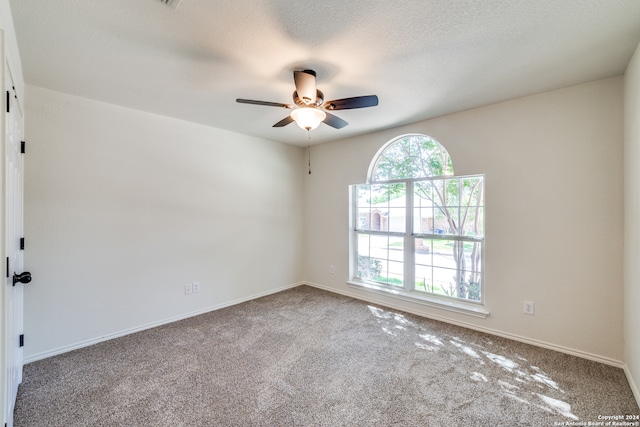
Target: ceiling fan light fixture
(308,118)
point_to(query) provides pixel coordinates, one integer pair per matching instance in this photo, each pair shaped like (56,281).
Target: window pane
(364,270)
(381,207)
(472,207)
(449,191)
(423,270)
(396,248)
(422,208)
(449,268)
(381,259)
(443,280)
(423,279)
(363,245)
(472,258)
(363,209)
(451,187)
(474,222)
(423,220)
(457,207)
(395,274)
(363,216)
(424,193)
(472,191)
(471,286)
(380,252)
(453,219)
(363,195)
(440,221)
(443,253)
(396,219)
(436,202)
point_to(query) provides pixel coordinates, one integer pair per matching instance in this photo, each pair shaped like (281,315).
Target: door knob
(21,278)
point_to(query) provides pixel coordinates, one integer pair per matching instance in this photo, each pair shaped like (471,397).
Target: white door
(13,310)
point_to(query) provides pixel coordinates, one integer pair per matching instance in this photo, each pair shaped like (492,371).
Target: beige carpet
(305,357)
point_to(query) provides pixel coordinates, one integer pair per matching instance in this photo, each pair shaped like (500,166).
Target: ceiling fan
(310,108)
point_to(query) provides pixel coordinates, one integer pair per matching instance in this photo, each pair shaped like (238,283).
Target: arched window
(410,156)
(431,243)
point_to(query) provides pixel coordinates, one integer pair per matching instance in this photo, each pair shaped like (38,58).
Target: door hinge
(22,243)
(23,146)
(8,101)
(7,267)
(22,340)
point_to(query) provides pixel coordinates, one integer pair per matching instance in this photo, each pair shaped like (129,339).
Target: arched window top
(410,156)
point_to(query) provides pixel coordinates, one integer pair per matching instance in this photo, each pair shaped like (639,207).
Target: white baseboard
(86,343)
(632,384)
(537,343)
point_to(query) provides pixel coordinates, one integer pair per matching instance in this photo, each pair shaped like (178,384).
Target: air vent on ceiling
(173,3)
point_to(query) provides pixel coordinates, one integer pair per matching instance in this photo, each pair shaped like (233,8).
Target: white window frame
(408,292)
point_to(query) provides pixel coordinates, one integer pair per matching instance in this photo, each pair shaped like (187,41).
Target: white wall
(554,219)
(631,225)
(123,208)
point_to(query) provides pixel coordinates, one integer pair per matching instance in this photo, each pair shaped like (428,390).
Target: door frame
(10,363)
(3,241)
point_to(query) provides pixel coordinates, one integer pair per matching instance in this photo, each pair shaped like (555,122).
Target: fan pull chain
(309,148)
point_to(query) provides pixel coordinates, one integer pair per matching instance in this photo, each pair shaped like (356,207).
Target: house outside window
(417,229)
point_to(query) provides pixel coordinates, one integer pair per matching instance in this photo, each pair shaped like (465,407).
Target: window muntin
(430,243)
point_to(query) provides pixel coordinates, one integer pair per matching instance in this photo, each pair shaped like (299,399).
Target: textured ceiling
(423,58)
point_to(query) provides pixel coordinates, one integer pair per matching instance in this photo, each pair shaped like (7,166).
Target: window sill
(442,304)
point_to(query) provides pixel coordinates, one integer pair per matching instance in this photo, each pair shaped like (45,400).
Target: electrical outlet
(188,289)
(196,287)
(529,307)
(332,269)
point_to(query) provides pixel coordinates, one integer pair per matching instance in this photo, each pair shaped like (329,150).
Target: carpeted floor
(305,357)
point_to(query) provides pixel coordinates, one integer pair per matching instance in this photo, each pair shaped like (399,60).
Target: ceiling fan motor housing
(301,102)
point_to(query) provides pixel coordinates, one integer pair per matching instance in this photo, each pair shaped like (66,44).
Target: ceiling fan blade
(306,85)
(351,103)
(283,122)
(265,103)
(334,121)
